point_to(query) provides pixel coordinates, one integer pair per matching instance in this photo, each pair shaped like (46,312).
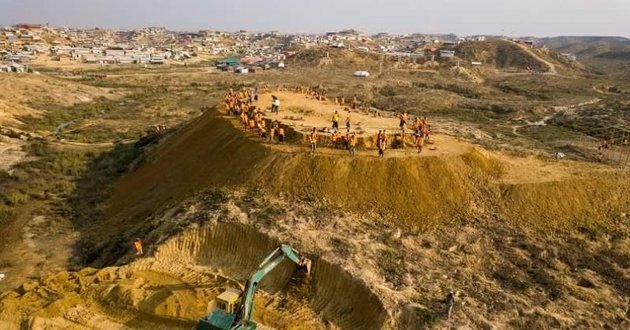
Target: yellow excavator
(234,308)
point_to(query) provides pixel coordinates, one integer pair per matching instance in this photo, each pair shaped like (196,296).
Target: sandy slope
(18,92)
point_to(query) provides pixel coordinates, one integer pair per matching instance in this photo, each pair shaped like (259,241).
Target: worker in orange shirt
(138,246)
(312,139)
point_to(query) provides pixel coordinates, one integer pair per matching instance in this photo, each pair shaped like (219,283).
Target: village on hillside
(23,45)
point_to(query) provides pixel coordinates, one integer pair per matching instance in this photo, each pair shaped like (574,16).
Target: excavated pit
(236,250)
(172,289)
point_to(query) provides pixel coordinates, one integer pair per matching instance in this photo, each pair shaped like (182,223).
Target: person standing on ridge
(275,104)
(312,139)
(380,143)
(280,134)
(335,121)
(403,120)
(352,144)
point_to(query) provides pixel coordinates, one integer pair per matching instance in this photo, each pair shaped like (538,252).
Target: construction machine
(234,308)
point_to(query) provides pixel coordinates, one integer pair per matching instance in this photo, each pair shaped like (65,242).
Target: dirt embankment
(211,152)
(421,192)
(18,93)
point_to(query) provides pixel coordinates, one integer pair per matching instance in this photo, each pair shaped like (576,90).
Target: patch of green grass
(77,181)
(76,122)
(15,198)
(425,318)
(6,212)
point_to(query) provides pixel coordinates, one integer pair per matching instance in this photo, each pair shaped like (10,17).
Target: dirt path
(81,145)
(551,66)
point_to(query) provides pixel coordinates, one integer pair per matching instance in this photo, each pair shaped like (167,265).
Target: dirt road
(551,66)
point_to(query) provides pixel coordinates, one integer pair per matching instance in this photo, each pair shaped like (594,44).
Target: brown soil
(19,91)
(174,287)
(416,191)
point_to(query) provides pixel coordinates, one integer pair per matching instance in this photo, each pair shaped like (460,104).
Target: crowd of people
(321,95)
(243,104)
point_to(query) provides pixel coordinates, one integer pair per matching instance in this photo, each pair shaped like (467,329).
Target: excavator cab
(229,300)
(223,311)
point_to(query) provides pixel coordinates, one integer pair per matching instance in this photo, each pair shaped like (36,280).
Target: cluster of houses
(20,44)
(414,45)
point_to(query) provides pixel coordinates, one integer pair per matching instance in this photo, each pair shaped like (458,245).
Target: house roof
(230,60)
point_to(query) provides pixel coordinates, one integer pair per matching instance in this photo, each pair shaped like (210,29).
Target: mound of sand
(414,191)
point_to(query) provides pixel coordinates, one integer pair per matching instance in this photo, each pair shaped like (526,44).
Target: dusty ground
(11,152)
(302,114)
(526,241)
(503,278)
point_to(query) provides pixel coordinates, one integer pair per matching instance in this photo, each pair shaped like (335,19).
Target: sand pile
(421,192)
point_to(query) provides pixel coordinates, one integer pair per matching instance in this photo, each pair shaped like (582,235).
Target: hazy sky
(462,17)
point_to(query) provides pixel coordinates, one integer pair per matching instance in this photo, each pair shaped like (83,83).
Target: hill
(603,54)
(507,55)
(587,47)
(18,94)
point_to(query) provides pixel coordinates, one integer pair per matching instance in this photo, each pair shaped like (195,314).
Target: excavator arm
(271,262)
(238,309)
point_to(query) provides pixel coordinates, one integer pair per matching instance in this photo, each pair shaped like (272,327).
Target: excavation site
(482,185)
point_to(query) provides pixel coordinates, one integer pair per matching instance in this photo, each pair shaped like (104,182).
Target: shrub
(16,198)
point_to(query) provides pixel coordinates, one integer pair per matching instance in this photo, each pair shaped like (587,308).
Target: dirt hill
(335,57)
(413,192)
(19,93)
(506,55)
(601,54)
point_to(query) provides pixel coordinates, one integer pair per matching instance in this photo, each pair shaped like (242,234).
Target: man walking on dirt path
(312,139)
(138,246)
